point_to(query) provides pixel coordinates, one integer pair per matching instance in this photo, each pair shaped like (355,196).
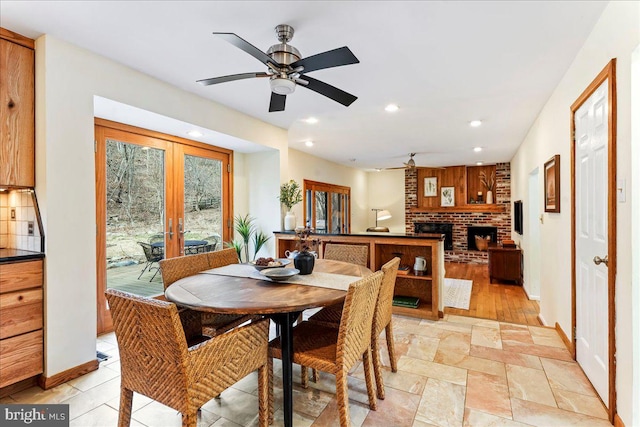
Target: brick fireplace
(461,250)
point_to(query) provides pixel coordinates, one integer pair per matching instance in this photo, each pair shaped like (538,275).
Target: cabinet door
(18,115)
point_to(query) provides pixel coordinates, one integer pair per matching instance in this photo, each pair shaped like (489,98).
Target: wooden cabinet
(17,127)
(427,288)
(466,184)
(21,321)
(505,264)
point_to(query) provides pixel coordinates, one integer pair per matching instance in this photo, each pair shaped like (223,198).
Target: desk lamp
(381,215)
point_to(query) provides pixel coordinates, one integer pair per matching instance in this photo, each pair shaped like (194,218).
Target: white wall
(615,35)
(67,78)
(386,191)
(305,166)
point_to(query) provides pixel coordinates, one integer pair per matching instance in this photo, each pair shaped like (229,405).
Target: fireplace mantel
(480,207)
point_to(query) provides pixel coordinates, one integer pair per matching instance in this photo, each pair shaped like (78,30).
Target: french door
(157,196)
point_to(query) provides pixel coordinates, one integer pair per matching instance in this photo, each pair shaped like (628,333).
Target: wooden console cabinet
(384,247)
(505,264)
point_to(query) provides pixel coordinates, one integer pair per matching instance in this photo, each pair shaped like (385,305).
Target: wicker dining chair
(156,361)
(337,350)
(382,321)
(355,254)
(174,269)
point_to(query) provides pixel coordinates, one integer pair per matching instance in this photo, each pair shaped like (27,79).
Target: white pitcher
(420,264)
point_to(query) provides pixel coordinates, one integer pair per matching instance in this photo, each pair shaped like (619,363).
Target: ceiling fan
(286,68)
(411,164)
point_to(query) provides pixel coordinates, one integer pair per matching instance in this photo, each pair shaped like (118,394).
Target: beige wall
(67,78)
(615,35)
(304,166)
(386,191)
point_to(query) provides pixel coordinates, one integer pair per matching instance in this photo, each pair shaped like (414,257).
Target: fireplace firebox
(437,227)
(472,232)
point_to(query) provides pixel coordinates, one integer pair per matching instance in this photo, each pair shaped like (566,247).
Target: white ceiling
(443,63)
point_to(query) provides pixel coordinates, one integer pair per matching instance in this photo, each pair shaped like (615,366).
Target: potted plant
(306,245)
(290,195)
(245,227)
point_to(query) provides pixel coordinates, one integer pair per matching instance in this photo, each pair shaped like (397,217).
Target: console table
(382,248)
(505,264)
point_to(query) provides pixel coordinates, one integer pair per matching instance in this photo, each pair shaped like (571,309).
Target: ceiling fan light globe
(282,86)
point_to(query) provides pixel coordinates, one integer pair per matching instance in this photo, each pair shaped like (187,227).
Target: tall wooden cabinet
(17,109)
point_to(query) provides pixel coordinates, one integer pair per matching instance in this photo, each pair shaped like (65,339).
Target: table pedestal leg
(284,322)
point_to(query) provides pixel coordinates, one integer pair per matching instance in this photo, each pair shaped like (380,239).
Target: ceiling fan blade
(329,91)
(277,102)
(241,43)
(232,77)
(328,59)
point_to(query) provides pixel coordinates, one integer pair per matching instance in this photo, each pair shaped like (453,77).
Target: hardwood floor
(502,301)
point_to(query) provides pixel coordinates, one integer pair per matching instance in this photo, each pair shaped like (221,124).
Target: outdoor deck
(126,279)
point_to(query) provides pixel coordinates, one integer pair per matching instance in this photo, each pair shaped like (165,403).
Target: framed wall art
(447,196)
(431,186)
(552,184)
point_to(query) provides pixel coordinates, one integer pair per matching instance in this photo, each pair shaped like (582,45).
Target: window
(327,207)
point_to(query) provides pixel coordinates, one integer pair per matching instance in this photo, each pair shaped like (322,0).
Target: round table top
(239,295)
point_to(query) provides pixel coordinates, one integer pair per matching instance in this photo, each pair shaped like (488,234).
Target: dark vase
(304,262)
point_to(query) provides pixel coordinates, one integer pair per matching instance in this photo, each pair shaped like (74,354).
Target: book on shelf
(404,269)
(403,301)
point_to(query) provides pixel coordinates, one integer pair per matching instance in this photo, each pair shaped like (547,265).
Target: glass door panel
(336,213)
(321,212)
(135,215)
(203,205)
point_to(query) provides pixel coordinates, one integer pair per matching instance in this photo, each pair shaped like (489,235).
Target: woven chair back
(221,258)
(354,335)
(176,268)
(384,306)
(355,254)
(152,346)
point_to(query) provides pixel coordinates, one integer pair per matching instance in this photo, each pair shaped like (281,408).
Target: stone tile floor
(460,371)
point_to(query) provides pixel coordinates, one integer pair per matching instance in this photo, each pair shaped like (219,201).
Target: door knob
(597,260)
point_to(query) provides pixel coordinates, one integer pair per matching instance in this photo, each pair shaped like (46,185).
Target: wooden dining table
(283,302)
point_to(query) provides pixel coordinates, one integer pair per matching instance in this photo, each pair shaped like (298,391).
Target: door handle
(597,260)
(170,228)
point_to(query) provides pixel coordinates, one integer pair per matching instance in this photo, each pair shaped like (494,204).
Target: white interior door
(592,306)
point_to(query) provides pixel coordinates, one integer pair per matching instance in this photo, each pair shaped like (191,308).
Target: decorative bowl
(279,274)
(283,263)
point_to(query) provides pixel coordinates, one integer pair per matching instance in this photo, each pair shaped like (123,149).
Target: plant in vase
(305,243)
(290,195)
(489,183)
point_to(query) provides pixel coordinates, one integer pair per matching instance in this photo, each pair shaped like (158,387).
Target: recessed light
(311,120)
(477,149)
(378,169)
(309,143)
(475,123)
(391,108)
(479,163)
(195,133)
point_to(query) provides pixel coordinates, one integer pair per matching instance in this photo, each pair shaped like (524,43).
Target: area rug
(457,293)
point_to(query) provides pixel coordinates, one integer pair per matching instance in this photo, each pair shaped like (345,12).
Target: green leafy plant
(290,194)
(245,227)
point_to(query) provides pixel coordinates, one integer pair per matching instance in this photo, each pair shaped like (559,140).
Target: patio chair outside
(152,254)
